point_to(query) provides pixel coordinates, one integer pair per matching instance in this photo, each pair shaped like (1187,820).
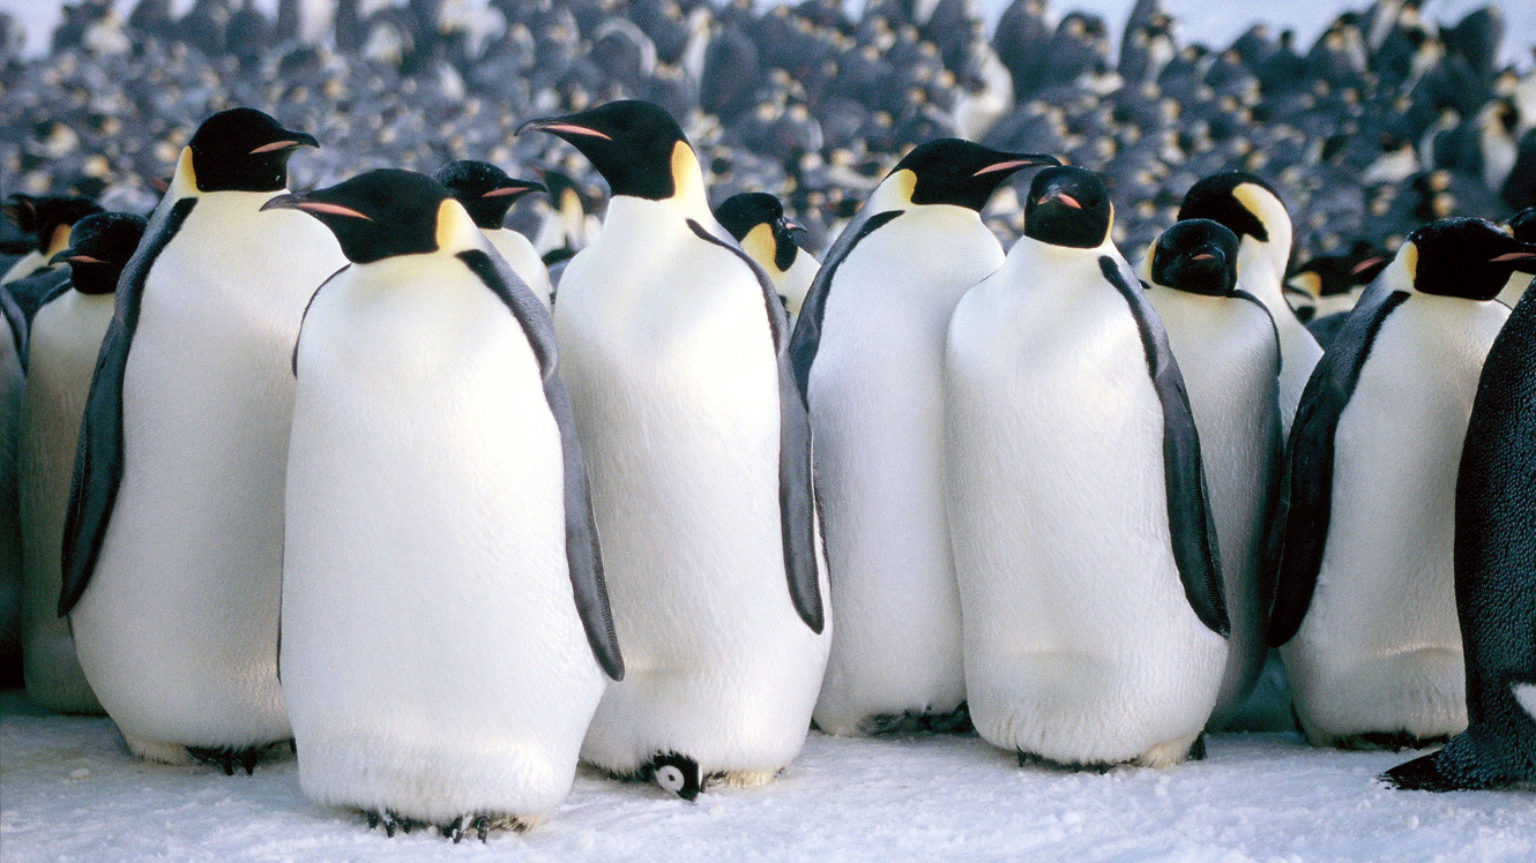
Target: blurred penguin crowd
(1387,121)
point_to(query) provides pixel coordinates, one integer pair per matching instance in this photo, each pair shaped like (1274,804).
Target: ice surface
(69,791)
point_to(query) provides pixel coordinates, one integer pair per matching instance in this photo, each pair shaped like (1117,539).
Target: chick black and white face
(99,247)
(1068,206)
(1198,256)
(1467,258)
(378,214)
(243,150)
(485,190)
(963,173)
(1241,201)
(678,774)
(633,144)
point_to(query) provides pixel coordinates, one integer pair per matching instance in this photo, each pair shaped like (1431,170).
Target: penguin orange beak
(1525,262)
(1061,197)
(1029,160)
(308,205)
(290,141)
(65,255)
(516,189)
(558,126)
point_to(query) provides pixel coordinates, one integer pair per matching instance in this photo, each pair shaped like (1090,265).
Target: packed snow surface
(69,791)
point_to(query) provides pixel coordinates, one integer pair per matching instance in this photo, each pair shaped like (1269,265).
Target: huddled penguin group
(453,507)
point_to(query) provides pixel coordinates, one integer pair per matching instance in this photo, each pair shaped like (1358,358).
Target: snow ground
(69,791)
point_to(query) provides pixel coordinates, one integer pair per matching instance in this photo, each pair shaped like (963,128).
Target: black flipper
(1310,464)
(1189,512)
(1471,761)
(583,555)
(807,335)
(99,455)
(18,324)
(797,503)
(1278,502)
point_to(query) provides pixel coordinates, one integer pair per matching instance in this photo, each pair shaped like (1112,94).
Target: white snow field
(69,791)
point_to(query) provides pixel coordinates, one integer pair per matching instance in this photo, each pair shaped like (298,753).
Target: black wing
(17,321)
(797,506)
(20,301)
(1278,501)
(99,454)
(1309,467)
(807,335)
(1189,510)
(582,552)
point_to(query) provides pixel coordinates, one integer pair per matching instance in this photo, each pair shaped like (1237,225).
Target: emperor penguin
(1090,582)
(434,460)
(1365,613)
(1521,226)
(757,221)
(488,193)
(869,355)
(676,355)
(49,218)
(1251,209)
(173,538)
(1495,593)
(1224,340)
(63,343)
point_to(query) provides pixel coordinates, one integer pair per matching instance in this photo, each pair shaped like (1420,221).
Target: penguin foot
(957,721)
(391,821)
(483,825)
(1030,759)
(1467,763)
(229,757)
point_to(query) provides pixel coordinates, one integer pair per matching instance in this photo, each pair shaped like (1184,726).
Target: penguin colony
(450,509)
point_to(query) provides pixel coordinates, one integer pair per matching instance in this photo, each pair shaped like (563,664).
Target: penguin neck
(1260,269)
(1028,255)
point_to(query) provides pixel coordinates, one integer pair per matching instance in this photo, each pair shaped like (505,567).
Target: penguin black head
(678,774)
(99,247)
(757,219)
(1198,256)
(1237,200)
(384,213)
(1068,206)
(637,147)
(962,173)
(1467,258)
(484,189)
(49,217)
(241,150)
(1523,225)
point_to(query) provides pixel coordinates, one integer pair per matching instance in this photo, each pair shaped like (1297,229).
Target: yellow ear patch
(1310,282)
(184,181)
(58,242)
(1252,198)
(760,245)
(687,175)
(903,183)
(456,231)
(1410,255)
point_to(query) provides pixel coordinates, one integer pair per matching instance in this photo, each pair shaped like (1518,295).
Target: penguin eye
(670,778)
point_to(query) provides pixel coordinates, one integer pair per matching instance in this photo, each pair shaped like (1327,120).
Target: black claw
(453,830)
(482,827)
(373,819)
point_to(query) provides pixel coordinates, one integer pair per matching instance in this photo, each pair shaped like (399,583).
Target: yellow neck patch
(184,181)
(58,242)
(456,231)
(687,176)
(760,245)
